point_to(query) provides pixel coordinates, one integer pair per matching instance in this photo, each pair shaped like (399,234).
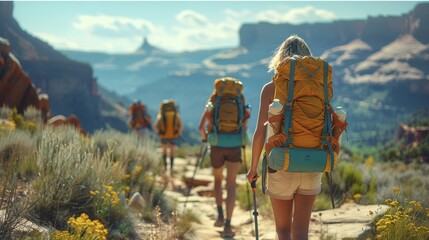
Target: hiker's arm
(267,93)
(180,124)
(202,127)
(155,124)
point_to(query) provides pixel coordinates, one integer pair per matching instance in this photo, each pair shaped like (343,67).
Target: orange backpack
(169,122)
(139,116)
(304,141)
(304,87)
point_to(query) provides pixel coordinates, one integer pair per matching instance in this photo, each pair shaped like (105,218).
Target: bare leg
(282,210)
(164,155)
(301,216)
(172,148)
(217,172)
(232,170)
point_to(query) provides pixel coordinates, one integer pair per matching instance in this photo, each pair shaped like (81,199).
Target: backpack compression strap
(288,107)
(164,121)
(216,113)
(327,131)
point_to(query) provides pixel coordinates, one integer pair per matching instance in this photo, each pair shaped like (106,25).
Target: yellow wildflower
(396,190)
(137,170)
(417,205)
(369,162)
(394,203)
(357,196)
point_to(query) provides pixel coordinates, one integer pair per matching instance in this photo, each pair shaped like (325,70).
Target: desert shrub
(66,174)
(21,122)
(15,149)
(410,178)
(403,219)
(95,176)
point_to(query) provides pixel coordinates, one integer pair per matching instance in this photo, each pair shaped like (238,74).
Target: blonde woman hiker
(292,194)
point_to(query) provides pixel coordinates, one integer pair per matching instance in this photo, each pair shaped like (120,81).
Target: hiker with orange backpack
(295,123)
(140,120)
(223,125)
(169,127)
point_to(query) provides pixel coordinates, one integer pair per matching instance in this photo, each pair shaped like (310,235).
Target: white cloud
(191,18)
(109,22)
(243,14)
(114,25)
(296,15)
(191,31)
(194,31)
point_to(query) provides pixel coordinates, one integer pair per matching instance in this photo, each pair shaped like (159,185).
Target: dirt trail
(346,222)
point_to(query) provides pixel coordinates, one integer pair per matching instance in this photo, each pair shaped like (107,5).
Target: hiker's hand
(252,175)
(203,137)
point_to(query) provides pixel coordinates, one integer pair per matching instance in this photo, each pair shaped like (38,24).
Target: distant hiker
(303,85)
(169,127)
(223,125)
(71,120)
(45,108)
(140,120)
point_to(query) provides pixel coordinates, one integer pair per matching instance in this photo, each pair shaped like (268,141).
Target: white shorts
(283,185)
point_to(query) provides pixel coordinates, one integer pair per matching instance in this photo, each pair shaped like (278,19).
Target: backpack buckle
(288,106)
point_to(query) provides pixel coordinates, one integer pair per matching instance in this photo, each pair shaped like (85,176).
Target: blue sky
(119,27)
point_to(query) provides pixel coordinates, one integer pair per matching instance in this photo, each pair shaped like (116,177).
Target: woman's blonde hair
(293,45)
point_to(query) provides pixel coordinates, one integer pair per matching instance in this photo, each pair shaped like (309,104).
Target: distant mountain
(70,84)
(380,69)
(125,72)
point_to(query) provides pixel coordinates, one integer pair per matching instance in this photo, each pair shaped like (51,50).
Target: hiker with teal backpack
(294,125)
(223,126)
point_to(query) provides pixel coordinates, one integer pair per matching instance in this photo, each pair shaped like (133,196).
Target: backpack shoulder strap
(216,113)
(326,129)
(288,107)
(240,105)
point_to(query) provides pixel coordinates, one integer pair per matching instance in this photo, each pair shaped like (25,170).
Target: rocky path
(346,222)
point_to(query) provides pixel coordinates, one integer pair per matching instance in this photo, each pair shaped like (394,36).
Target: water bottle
(342,117)
(209,106)
(275,108)
(248,111)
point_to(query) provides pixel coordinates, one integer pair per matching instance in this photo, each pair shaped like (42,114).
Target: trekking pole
(247,186)
(203,150)
(255,210)
(203,157)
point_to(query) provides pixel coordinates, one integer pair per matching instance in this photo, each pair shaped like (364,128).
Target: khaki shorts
(171,141)
(219,155)
(283,185)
